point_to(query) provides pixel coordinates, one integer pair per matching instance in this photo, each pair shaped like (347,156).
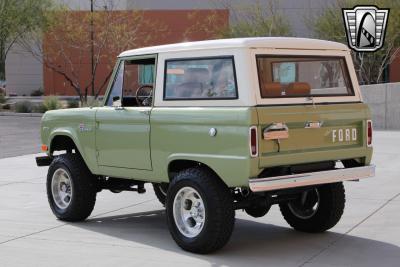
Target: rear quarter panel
(182,133)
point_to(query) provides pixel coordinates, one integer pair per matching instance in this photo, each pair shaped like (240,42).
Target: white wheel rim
(61,188)
(189,212)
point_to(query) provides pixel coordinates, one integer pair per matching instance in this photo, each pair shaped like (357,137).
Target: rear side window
(200,78)
(291,76)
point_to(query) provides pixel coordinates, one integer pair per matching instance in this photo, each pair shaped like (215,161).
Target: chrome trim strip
(310,178)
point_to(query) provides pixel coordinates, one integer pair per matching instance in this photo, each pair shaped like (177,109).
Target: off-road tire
(161,190)
(83,187)
(219,212)
(330,210)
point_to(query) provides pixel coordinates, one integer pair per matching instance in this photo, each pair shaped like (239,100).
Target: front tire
(200,212)
(316,210)
(71,188)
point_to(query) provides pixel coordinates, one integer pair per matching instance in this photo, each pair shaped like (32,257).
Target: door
(123,124)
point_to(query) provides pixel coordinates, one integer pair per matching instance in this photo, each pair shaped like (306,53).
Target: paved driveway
(128,229)
(19,136)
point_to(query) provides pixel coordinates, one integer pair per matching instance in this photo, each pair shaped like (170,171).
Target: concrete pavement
(19,136)
(128,229)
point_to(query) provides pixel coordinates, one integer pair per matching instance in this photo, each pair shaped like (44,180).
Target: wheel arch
(178,165)
(64,140)
(61,142)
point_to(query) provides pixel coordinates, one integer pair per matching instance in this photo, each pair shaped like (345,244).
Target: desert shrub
(39,108)
(23,107)
(37,92)
(92,102)
(6,106)
(72,103)
(51,103)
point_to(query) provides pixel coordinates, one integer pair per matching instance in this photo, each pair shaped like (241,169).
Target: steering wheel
(144,95)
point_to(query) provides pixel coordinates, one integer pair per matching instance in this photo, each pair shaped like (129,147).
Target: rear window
(202,78)
(292,76)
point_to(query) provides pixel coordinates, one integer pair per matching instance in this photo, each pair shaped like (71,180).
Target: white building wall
(24,73)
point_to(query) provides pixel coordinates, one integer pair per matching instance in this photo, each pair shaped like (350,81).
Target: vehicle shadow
(253,243)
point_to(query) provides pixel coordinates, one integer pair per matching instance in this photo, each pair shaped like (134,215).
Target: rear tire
(317,211)
(199,210)
(71,188)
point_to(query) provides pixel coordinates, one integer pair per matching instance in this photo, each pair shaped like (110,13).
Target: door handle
(276,131)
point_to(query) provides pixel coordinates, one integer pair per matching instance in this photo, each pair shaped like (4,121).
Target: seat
(298,89)
(188,90)
(271,89)
(194,82)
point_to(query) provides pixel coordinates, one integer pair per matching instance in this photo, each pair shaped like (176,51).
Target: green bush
(39,108)
(23,107)
(6,106)
(51,103)
(92,102)
(2,99)
(37,92)
(72,103)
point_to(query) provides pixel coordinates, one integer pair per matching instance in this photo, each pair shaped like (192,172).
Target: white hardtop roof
(256,42)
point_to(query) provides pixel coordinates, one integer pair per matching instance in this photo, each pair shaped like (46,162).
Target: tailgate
(315,133)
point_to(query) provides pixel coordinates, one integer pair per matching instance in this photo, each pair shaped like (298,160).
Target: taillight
(369,133)
(253,141)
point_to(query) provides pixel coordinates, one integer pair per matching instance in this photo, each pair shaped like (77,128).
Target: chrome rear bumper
(310,178)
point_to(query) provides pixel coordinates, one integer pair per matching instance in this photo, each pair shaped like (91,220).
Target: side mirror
(117,102)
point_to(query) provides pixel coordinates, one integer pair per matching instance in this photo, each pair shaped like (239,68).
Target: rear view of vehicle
(217,126)
(313,133)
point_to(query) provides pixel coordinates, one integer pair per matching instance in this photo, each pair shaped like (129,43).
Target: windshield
(295,76)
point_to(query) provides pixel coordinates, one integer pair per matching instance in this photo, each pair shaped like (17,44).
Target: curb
(13,114)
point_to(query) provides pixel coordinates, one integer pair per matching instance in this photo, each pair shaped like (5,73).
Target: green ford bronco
(217,126)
